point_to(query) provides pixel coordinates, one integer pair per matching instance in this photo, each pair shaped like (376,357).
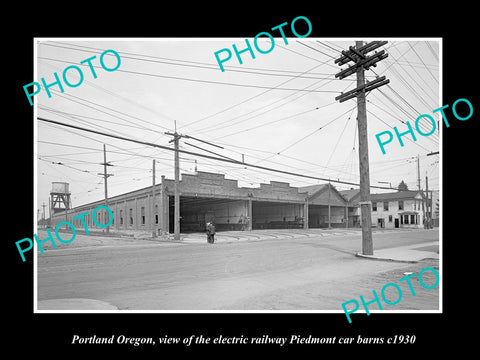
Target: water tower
(59,197)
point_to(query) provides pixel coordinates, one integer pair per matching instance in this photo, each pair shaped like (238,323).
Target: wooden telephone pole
(152,207)
(176,189)
(362,62)
(175,140)
(105,176)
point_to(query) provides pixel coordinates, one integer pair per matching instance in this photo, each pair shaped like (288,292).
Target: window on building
(121,217)
(142,214)
(415,205)
(385,205)
(374,206)
(113,217)
(131,216)
(390,218)
(412,219)
(405,221)
(400,204)
(156,214)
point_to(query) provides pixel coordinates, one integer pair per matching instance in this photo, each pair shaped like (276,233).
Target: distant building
(400,209)
(206,197)
(352,197)
(327,207)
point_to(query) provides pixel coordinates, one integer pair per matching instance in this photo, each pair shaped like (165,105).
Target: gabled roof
(352,195)
(397,195)
(317,192)
(312,189)
(349,195)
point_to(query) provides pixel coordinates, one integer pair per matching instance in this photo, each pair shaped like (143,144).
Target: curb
(373,257)
(74,304)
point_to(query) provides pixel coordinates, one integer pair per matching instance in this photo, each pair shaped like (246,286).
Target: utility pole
(426,213)
(67,202)
(362,62)
(105,176)
(176,216)
(418,172)
(176,189)
(43,214)
(175,140)
(329,220)
(49,222)
(152,210)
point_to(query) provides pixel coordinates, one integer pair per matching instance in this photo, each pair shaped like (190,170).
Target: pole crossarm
(366,62)
(363,50)
(366,87)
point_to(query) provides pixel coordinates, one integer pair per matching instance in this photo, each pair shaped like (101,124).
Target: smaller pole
(152,217)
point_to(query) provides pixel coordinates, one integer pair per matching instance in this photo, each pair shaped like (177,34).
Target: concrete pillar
(135,214)
(250,214)
(163,208)
(346,216)
(305,214)
(126,216)
(115,215)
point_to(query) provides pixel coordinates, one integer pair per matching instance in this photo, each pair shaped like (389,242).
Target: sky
(277,110)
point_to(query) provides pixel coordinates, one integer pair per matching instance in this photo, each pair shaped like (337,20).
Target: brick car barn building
(210,197)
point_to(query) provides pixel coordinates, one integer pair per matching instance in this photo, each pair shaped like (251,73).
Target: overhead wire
(283,155)
(339,138)
(200,80)
(125,99)
(426,67)
(304,137)
(202,65)
(192,153)
(249,98)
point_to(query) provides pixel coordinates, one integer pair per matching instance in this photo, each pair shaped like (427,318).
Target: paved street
(289,270)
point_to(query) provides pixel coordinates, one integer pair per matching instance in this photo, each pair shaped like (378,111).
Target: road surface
(283,272)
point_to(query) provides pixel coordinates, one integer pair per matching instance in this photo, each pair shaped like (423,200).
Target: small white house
(400,209)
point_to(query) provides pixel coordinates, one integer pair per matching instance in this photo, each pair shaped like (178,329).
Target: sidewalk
(74,304)
(410,253)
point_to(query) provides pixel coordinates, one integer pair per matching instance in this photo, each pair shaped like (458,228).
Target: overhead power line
(203,155)
(201,80)
(201,65)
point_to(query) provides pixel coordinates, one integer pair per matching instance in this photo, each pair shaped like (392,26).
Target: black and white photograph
(165,183)
(295,181)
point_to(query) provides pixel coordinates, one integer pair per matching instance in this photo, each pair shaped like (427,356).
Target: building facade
(401,209)
(208,197)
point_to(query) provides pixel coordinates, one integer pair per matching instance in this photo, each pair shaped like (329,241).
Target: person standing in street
(210,233)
